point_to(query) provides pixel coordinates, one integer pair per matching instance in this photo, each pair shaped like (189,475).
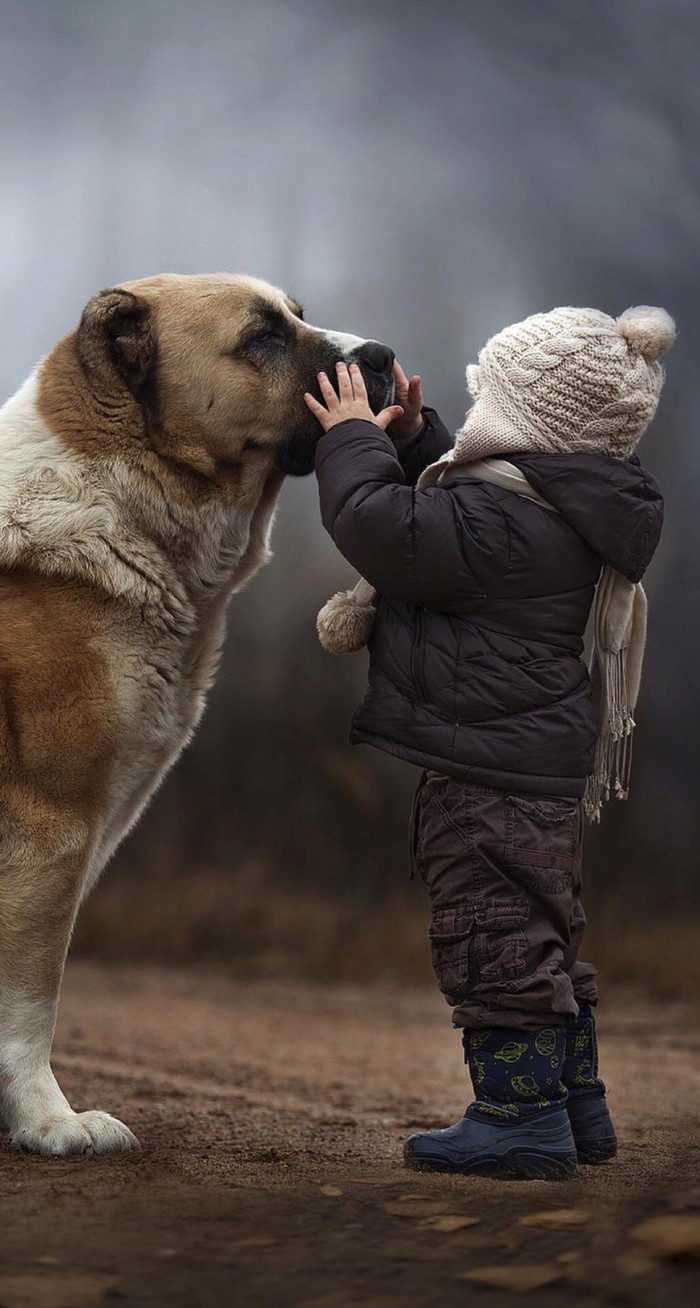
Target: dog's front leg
(38,903)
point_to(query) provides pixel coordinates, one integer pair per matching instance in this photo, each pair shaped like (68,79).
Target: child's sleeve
(418,452)
(423,547)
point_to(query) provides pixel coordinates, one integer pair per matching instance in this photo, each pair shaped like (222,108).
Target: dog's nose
(375,356)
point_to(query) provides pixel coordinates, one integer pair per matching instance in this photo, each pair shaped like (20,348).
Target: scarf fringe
(613,754)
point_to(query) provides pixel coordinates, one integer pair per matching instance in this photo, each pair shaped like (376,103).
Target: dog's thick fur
(141,465)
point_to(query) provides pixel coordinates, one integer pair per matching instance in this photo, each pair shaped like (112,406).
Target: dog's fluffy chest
(125,597)
(160,678)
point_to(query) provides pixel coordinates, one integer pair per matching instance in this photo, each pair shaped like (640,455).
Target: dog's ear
(116,336)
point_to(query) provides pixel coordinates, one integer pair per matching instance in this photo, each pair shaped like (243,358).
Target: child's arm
(416,546)
(427,447)
(419,435)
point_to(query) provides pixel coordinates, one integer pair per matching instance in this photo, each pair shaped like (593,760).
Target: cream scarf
(619,635)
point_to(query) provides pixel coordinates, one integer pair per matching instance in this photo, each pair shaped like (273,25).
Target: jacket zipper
(418,654)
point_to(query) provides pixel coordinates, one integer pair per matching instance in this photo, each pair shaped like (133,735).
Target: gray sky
(419,173)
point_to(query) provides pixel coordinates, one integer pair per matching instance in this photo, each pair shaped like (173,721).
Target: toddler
(482,561)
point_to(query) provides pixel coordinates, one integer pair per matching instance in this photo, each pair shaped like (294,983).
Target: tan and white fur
(141,466)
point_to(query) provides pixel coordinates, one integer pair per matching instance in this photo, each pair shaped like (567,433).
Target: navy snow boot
(591,1124)
(518,1125)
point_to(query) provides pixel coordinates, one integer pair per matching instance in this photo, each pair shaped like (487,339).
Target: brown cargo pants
(503,871)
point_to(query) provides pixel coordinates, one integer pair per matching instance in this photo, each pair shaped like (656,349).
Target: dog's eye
(269,334)
(265,336)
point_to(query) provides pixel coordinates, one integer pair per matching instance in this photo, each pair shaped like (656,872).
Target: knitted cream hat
(570,379)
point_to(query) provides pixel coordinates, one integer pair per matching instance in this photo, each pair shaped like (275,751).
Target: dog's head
(218,366)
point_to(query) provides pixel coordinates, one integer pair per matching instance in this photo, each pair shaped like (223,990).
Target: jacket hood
(614,504)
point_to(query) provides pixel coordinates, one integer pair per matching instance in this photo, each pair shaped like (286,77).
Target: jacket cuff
(345,430)
(404,443)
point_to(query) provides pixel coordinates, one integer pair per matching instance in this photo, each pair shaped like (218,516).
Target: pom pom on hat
(648,331)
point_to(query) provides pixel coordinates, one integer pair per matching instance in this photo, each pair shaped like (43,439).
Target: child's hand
(409,394)
(350,402)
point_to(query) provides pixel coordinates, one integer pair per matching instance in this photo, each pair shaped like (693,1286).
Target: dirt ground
(272,1115)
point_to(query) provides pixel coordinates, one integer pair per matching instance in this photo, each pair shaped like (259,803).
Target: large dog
(141,466)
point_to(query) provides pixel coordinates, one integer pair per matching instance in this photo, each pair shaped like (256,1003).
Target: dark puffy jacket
(475,661)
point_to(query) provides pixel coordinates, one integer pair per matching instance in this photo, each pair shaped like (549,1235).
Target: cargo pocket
(543,840)
(451,936)
(500,947)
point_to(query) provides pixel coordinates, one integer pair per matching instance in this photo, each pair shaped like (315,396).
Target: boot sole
(525,1164)
(593,1156)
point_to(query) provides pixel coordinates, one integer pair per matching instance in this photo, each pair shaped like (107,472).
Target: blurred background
(423,174)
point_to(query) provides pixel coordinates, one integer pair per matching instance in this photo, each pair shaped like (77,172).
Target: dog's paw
(75,1133)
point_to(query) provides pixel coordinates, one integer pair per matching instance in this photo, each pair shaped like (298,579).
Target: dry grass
(661,955)
(250,926)
(255,929)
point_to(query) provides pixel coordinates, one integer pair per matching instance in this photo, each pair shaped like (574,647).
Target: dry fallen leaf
(333,1191)
(555,1219)
(449,1222)
(522,1278)
(60,1290)
(673,1235)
